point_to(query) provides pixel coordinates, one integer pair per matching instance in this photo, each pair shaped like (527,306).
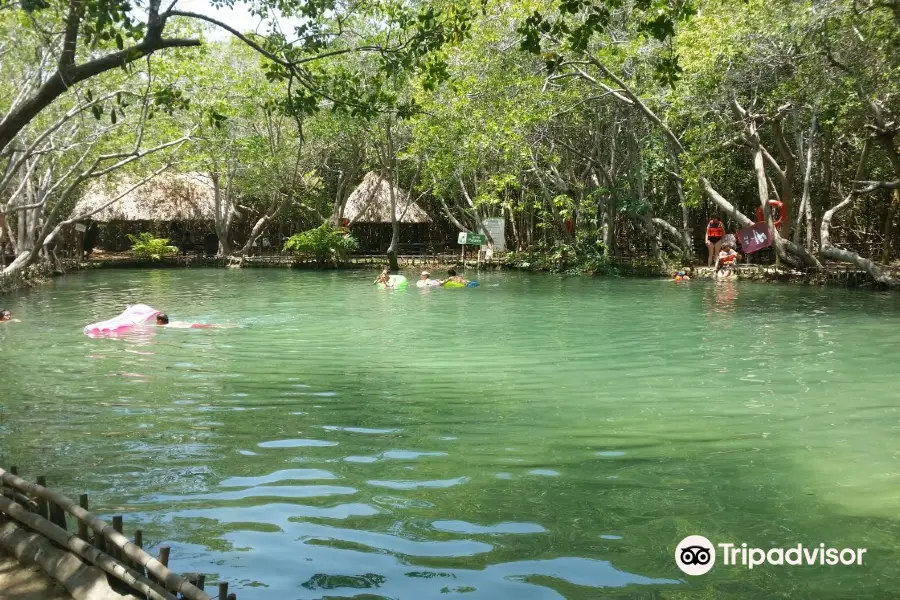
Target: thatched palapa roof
(370,202)
(168,197)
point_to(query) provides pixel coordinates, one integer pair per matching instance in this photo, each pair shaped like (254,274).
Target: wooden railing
(97,542)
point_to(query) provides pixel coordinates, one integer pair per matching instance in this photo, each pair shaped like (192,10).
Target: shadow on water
(541,438)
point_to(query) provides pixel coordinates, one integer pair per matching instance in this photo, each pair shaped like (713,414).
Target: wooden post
(223,590)
(117,525)
(43,508)
(57,516)
(138,538)
(201,581)
(164,555)
(14,470)
(82,526)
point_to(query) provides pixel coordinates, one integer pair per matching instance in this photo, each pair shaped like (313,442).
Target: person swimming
(6,317)
(162,320)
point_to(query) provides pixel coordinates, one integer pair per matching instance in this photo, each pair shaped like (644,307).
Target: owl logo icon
(695,555)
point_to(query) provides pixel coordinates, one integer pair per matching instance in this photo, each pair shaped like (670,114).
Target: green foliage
(147,247)
(586,255)
(325,243)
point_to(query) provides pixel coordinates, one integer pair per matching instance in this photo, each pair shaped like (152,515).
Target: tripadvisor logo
(696,555)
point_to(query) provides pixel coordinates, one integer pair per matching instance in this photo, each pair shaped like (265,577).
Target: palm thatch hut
(180,206)
(368,214)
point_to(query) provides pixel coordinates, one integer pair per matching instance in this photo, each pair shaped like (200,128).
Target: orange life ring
(760,217)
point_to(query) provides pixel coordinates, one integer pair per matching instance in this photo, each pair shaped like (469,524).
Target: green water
(536,437)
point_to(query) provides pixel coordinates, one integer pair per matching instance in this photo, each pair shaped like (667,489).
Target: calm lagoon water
(533,438)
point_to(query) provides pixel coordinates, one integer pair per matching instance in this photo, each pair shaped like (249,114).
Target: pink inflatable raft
(137,314)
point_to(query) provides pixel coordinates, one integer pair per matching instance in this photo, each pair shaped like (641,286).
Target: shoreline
(837,275)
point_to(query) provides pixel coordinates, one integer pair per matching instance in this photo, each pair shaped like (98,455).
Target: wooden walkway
(31,511)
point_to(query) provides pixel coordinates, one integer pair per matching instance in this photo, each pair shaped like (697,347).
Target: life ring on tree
(760,217)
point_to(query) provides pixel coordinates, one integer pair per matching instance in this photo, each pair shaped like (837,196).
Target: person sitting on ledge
(726,261)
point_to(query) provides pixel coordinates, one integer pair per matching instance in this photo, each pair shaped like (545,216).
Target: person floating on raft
(387,281)
(455,281)
(425,280)
(139,315)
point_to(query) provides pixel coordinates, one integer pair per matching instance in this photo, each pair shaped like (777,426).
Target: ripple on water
(266,491)
(544,472)
(611,453)
(361,459)
(283,475)
(360,429)
(500,528)
(408,454)
(412,485)
(295,443)
(277,514)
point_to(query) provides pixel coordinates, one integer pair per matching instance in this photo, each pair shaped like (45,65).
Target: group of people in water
(425,279)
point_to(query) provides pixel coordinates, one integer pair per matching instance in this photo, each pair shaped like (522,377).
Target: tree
(66,148)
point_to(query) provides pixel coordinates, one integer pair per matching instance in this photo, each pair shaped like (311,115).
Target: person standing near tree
(715,231)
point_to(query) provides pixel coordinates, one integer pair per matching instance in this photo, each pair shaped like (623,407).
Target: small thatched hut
(180,206)
(368,211)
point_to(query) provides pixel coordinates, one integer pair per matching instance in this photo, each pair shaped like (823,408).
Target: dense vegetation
(598,129)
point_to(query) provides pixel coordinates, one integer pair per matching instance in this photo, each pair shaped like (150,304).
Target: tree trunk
(263,222)
(805,211)
(840,254)
(224,213)
(395,227)
(888,226)
(512,222)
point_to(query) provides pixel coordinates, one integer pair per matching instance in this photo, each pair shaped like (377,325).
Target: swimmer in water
(384,278)
(6,317)
(425,280)
(162,320)
(452,276)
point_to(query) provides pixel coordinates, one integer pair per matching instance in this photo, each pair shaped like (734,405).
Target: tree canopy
(606,128)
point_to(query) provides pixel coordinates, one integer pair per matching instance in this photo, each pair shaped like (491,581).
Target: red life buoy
(773,204)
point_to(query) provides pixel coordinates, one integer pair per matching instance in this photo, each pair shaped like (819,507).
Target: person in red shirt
(715,233)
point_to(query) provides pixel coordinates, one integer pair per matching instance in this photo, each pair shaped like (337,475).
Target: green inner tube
(454,284)
(397,282)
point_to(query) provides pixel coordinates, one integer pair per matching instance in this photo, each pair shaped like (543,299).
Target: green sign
(472,239)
